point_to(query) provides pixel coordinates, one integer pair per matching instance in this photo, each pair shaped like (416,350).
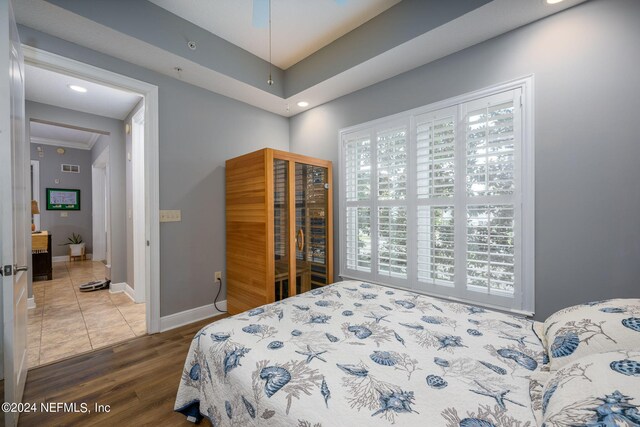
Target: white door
(15,230)
(99,217)
(140,255)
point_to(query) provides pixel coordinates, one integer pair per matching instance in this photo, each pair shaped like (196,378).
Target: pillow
(538,329)
(597,390)
(595,327)
(537,380)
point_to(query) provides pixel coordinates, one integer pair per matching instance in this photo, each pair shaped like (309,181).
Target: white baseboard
(115,288)
(176,320)
(65,258)
(31,303)
(130,292)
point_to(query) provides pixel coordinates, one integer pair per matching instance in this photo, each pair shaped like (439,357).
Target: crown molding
(59,143)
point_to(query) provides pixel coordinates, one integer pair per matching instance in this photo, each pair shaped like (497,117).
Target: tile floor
(67,322)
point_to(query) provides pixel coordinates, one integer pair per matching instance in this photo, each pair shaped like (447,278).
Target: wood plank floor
(138,379)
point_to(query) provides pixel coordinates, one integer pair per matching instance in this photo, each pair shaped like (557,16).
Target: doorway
(143,132)
(51,61)
(73,157)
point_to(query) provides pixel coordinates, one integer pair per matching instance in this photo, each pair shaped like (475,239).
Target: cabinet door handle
(300,239)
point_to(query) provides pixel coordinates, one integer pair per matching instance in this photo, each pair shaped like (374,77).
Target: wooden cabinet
(41,255)
(279,227)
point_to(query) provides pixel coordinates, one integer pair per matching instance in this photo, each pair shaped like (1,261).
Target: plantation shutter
(358,238)
(391,157)
(357,154)
(391,170)
(492,150)
(440,200)
(435,188)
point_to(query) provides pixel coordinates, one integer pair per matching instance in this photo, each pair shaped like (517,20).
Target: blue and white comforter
(357,354)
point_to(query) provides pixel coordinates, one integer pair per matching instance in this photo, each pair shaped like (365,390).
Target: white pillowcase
(592,328)
(537,381)
(597,390)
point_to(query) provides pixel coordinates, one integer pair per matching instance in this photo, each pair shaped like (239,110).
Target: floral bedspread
(356,354)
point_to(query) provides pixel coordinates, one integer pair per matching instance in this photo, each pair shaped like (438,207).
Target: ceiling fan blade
(260,13)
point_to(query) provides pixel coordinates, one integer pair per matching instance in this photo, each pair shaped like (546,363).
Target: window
(440,199)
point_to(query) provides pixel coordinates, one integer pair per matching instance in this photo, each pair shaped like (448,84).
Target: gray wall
(586,62)
(199,130)
(117,190)
(78,222)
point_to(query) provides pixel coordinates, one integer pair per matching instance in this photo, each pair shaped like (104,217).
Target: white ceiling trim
(67,144)
(43,16)
(481,24)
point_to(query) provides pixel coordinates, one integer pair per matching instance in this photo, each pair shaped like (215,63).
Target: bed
(355,353)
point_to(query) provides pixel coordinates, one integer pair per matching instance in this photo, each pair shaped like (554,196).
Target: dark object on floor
(95,286)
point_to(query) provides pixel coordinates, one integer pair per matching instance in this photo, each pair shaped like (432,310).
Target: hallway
(67,322)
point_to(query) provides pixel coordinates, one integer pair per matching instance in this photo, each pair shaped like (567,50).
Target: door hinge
(148,243)
(7,270)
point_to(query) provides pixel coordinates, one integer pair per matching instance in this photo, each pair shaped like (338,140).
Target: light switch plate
(64,214)
(170,216)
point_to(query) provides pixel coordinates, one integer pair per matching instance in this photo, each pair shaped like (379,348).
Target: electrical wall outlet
(218,275)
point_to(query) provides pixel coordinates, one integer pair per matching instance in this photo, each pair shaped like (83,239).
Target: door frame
(138,191)
(70,67)
(35,188)
(100,218)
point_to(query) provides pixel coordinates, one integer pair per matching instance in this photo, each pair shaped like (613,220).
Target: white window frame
(523,300)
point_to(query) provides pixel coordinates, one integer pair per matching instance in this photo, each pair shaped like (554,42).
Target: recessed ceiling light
(553,1)
(303,104)
(77,88)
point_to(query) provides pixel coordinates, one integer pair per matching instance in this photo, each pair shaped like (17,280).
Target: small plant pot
(76,250)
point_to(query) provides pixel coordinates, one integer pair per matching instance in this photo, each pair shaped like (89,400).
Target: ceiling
(394,38)
(299,27)
(50,87)
(59,135)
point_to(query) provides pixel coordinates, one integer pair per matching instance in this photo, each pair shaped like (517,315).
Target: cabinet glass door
(311,222)
(281,227)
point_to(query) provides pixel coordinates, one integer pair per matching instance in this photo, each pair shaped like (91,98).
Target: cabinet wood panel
(257,271)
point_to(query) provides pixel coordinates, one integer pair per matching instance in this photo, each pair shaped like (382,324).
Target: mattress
(353,354)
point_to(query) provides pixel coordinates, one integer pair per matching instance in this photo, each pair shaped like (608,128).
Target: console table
(41,255)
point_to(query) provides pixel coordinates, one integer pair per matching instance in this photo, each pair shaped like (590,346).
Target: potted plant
(76,245)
